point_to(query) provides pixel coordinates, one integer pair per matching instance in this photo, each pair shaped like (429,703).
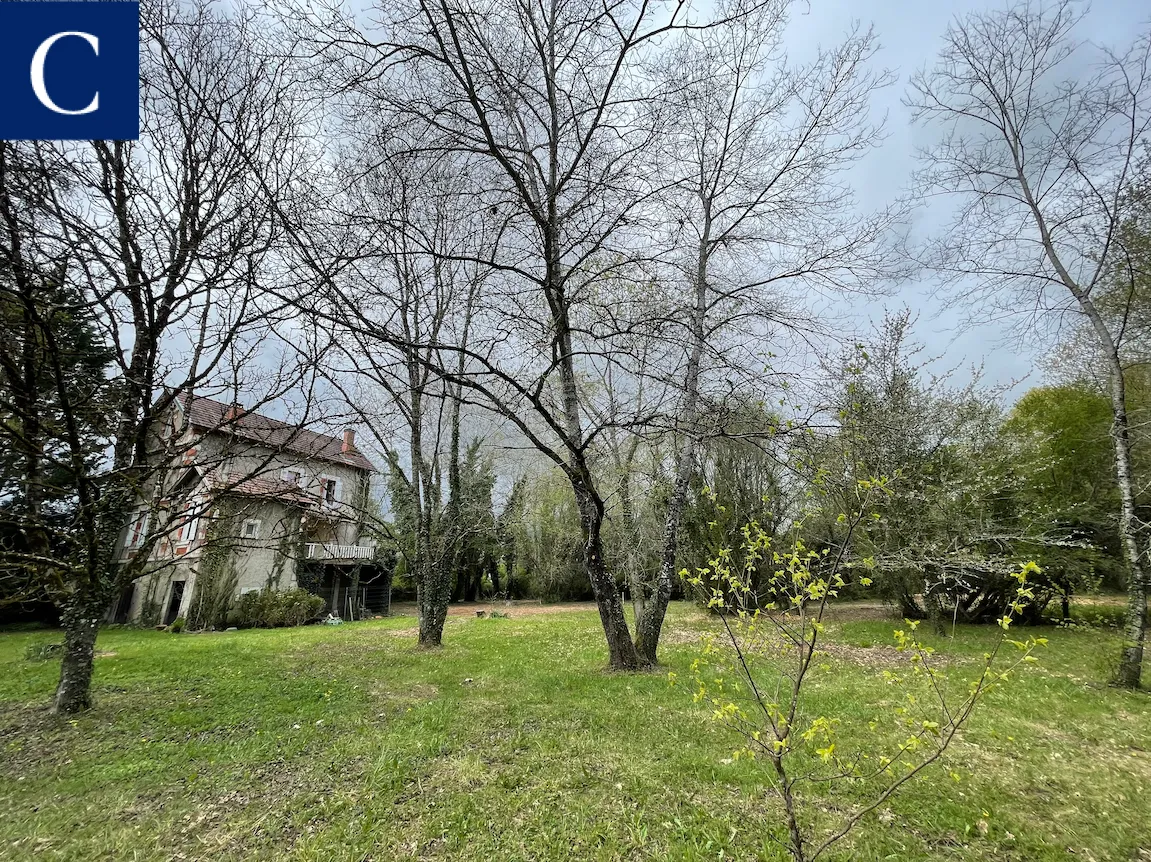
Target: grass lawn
(512,742)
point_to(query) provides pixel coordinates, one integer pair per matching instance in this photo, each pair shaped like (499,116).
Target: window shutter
(139,530)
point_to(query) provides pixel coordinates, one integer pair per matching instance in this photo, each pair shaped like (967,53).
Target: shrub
(755,677)
(270,608)
(149,613)
(965,591)
(177,626)
(300,606)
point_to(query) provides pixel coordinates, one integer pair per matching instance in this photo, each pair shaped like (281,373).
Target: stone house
(250,503)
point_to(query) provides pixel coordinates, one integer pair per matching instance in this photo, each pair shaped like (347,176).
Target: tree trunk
(622,654)
(1131,533)
(635,581)
(452,530)
(433,591)
(433,594)
(354,592)
(935,611)
(649,625)
(433,583)
(81,622)
(104,578)
(363,492)
(493,568)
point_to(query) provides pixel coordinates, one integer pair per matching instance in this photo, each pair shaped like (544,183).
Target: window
(193,527)
(250,529)
(329,493)
(138,530)
(293,475)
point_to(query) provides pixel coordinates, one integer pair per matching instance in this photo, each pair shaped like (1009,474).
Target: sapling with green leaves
(756,674)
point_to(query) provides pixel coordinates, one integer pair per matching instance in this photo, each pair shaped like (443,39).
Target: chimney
(233,411)
(349,443)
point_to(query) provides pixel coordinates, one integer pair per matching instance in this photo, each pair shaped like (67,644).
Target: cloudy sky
(910,32)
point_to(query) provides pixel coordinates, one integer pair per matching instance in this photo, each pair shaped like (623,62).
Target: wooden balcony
(337,553)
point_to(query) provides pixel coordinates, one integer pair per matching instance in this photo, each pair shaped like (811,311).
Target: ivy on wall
(217,576)
(288,554)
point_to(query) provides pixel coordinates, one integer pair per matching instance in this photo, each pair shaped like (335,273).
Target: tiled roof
(204,414)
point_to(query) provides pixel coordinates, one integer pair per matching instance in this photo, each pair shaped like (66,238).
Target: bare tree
(1039,134)
(757,148)
(163,245)
(406,291)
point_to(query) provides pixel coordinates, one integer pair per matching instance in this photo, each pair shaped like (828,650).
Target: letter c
(38,72)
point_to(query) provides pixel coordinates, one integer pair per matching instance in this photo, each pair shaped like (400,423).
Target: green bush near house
(149,613)
(269,609)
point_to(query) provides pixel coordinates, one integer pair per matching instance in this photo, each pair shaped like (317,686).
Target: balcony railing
(324,551)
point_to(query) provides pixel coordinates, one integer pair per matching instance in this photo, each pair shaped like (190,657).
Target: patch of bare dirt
(854,612)
(388,702)
(405,634)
